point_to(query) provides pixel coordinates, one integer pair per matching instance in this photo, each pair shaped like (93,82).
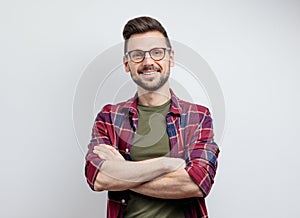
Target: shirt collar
(130,106)
(175,106)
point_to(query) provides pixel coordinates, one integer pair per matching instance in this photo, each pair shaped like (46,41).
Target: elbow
(199,193)
(100,184)
(195,191)
(205,189)
(96,180)
(203,180)
(98,187)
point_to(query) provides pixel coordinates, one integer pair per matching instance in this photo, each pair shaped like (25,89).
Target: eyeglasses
(156,54)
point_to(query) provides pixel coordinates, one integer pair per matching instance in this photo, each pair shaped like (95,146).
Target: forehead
(146,41)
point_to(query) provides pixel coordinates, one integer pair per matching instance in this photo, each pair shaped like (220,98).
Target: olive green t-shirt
(151,141)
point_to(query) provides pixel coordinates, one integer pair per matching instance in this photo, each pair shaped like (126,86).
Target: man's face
(149,74)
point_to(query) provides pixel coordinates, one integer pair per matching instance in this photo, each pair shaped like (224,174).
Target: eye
(157,52)
(136,54)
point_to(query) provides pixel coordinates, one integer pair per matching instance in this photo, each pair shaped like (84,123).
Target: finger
(99,151)
(109,150)
(96,152)
(102,155)
(98,147)
(110,147)
(104,147)
(117,153)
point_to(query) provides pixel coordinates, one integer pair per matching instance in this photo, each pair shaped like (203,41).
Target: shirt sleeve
(100,135)
(202,155)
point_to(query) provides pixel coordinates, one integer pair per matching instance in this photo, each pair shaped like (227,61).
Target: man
(154,153)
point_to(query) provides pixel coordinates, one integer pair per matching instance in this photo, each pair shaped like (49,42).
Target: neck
(154,98)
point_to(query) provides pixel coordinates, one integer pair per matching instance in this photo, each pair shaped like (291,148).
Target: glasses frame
(127,54)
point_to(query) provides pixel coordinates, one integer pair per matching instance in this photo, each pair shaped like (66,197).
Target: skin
(160,69)
(162,177)
(117,174)
(166,177)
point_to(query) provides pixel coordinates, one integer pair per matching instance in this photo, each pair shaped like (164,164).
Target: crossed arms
(161,177)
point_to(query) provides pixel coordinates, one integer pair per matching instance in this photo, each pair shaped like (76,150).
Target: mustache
(145,68)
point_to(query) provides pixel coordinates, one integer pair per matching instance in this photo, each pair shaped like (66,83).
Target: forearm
(174,185)
(118,175)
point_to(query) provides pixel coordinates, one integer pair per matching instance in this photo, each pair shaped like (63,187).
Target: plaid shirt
(189,127)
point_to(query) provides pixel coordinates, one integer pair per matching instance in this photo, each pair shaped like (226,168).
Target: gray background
(251,46)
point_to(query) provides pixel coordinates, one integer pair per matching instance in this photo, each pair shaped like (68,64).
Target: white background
(253,48)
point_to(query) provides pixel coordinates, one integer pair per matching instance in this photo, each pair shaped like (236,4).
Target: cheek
(132,68)
(165,65)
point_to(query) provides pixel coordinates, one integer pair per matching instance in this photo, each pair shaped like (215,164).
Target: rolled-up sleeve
(100,135)
(202,154)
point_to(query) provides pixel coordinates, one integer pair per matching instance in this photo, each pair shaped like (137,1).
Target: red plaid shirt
(189,127)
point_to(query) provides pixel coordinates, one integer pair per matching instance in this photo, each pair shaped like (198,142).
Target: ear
(172,58)
(126,64)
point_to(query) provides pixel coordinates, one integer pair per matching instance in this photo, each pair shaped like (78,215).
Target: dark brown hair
(143,25)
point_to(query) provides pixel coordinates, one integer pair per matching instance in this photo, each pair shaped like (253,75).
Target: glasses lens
(157,53)
(136,56)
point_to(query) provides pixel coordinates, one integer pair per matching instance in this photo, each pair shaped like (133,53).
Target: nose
(148,60)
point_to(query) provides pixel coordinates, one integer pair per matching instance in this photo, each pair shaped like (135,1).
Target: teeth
(148,73)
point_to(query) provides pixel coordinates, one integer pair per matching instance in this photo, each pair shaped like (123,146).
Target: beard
(151,85)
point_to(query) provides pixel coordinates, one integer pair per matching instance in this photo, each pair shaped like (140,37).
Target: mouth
(149,71)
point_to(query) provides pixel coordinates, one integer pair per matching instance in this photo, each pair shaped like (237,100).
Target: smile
(149,73)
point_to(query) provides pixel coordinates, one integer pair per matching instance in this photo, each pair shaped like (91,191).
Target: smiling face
(149,74)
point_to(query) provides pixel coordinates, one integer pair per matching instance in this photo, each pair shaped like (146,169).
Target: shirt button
(126,150)
(123,201)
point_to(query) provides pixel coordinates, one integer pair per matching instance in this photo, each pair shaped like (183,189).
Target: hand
(107,152)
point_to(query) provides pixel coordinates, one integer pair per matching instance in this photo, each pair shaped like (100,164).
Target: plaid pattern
(189,127)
